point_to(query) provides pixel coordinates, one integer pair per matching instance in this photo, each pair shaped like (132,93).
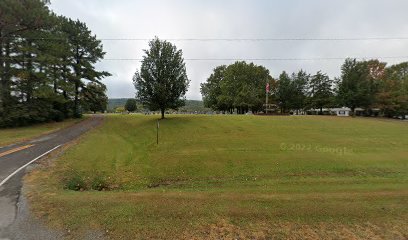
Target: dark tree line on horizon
(47,65)
(368,85)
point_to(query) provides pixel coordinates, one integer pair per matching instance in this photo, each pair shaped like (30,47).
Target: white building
(341,112)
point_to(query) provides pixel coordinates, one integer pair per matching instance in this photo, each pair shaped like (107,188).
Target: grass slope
(13,135)
(232,177)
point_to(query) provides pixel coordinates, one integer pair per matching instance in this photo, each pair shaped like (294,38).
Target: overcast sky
(182,19)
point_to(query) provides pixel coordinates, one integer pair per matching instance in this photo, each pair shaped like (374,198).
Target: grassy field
(230,177)
(13,135)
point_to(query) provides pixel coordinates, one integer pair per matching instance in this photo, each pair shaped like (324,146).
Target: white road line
(24,166)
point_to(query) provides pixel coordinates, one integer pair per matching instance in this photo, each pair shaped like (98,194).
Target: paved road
(14,160)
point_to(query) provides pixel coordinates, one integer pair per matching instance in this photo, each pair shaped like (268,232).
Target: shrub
(75,182)
(99,183)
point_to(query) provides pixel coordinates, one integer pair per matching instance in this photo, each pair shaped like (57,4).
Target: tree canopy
(321,91)
(94,97)
(284,92)
(372,85)
(162,81)
(45,63)
(236,87)
(131,105)
(369,85)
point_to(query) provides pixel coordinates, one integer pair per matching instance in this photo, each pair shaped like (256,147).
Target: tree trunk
(5,73)
(1,73)
(64,93)
(2,76)
(76,100)
(353,113)
(77,114)
(30,70)
(162,113)
(54,70)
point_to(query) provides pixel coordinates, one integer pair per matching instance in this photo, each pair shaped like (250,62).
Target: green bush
(99,183)
(75,182)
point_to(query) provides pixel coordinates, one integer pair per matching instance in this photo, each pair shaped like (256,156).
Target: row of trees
(373,85)
(302,91)
(365,84)
(47,65)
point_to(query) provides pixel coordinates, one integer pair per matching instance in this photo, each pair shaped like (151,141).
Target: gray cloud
(241,19)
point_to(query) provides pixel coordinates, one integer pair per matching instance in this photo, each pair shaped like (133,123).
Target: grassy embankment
(231,177)
(13,135)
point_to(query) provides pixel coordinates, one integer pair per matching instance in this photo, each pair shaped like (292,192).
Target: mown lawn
(229,177)
(13,135)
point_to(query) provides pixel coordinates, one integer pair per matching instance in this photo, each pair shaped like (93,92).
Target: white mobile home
(341,112)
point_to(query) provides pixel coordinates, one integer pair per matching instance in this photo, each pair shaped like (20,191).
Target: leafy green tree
(211,90)
(85,51)
(57,67)
(352,87)
(299,85)
(45,62)
(239,86)
(21,72)
(245,85)
(131,105)
(162,81)
(360,82)
(321,92)
(392,96)
(375,76)
(284,92)
(94,97)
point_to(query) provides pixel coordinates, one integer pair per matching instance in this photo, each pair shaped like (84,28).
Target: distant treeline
(114,103)
(190,105)
(46,65)
(363,84)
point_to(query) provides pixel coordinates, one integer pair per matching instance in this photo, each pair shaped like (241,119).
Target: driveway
(14,160)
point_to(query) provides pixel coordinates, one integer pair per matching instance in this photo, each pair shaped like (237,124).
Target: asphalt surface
(15,222)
